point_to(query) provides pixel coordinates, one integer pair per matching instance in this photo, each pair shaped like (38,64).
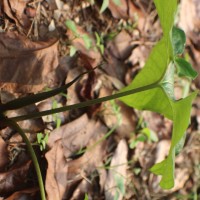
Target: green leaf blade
(178,40)
(166,11)
(155,100)
(117,2)
(159,97)
(185,69)
(71,25)
(104,6)
(154,69)
(87,41)
(181,122)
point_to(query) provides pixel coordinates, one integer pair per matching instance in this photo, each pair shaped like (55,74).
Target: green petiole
(83,104)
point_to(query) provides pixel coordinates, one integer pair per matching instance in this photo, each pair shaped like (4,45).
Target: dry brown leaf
(157,123)
(139,55)
(71,92)
(126,10)
(190,22)
(117,172)
(48,105)
(85,166)
(64,142)
(121,47)
(15,9)
(14,180)
(81,190)
(56,179)
(24,194)
(189,19)
(115,68)
(162,150)
(25,66)
(195,55)
(76,134)
(3,154)
(31,125)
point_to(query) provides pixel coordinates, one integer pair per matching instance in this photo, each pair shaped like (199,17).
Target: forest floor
(104,151)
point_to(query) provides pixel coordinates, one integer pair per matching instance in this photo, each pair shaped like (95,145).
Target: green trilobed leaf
(181,122)
(178,40)
(184,68)
(159,97)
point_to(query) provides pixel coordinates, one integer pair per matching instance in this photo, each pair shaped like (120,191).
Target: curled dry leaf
(117,175)
(15,10)
(66,141)
(14,180)
(3,154)
(26,66)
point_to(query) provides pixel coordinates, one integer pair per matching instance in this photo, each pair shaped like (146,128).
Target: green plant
(56,117)
(42,140)
(152,89)
(86,197)
(120,184)
(105,4)
(99,42)
(158,74)
(87,40)
(144,134)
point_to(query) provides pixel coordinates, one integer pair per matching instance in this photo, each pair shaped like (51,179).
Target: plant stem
(84,104)
(15,126)
(28,100)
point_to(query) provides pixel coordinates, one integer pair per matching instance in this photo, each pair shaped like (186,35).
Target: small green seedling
(144,134)
(56,117)
(87,40)
(105,4)
(86,197)
(42,140)
(120,184)
(99,42)
(72,50)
